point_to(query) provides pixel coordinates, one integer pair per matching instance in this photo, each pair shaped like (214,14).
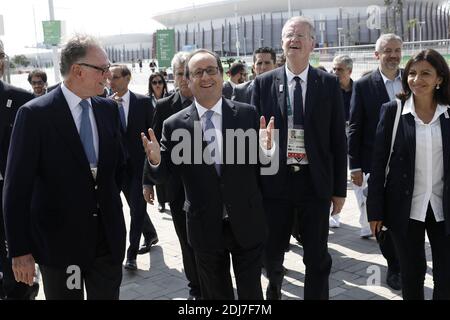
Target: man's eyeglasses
(292,36)
(102,69)
(155,82)
(210,71)
(2,55)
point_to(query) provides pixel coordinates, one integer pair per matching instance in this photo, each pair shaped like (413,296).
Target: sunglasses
(155,82)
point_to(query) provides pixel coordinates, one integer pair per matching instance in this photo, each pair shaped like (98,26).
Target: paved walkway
(160,273)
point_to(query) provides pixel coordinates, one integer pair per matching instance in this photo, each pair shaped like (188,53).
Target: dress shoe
(131,264)
(147,245)
(394,280)
(162,207)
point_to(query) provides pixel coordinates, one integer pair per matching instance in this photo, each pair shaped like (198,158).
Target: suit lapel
(281,90)
(229,121)
(65,125)
(409,131)
(177,105)
(445,129)
(133,111)
(382,93)
(101,135)
(311,92)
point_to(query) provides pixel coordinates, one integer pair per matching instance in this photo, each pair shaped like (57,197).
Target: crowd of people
(67,154)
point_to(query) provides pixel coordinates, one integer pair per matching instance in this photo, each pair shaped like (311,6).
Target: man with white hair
(369,93)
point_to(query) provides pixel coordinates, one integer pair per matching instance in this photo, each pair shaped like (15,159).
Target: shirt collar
(126,98)
(202,110)
(72,99)
(290,76)
(233,85)
(409,107)
(386,79)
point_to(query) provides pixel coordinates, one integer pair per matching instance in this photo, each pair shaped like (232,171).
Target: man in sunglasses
(11,99)
(38,81)
(62,196)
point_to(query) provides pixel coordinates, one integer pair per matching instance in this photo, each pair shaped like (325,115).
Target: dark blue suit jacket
(325,139)
(50,196)
(369,93)
(243,92)
(140,118)
(392,204)
(18,98)
(206,193)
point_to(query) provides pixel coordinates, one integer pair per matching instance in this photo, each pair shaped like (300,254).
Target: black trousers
(132,189)
(189,262)
(313,216)
(161,193)
(102,279)
(214,270)
(12,289)
(413,264)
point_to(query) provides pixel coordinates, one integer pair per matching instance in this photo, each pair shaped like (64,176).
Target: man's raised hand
(266,132)
(151,147)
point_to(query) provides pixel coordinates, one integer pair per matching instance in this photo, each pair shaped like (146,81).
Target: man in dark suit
(136,115)
(11,98)
(62,204)
(238,75)
(308,110)
(264,60)
(223,202)
(369,93)
(165,108)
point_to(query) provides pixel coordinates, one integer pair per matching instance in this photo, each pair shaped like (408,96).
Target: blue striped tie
(86,135)
(209,125)
(122,114)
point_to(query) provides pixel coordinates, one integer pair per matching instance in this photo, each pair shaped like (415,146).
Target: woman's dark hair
(150,88)
(441,96)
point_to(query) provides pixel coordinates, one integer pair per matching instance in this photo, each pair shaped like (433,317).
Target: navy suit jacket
(392,204)
(243,92)
(227,90)
(18,97)
(207,193)
(50,197)
(166,107)
(369,93)
(325,139)
(140,118)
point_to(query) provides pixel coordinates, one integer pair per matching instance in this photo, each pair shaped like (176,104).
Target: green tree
(21,60)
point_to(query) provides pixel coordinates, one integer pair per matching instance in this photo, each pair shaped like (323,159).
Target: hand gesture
(151,147)
(266,133)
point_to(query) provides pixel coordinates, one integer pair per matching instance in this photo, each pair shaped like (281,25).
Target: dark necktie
(122,114)
(86,135)
(209,126)
(298,103)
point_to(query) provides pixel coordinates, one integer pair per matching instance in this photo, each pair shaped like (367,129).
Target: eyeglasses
(2,55)
(155,82)
(210,71)
(103,70)
(292,36)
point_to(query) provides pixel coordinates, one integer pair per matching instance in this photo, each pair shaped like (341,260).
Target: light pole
(54,48)
(420,33)
(289,9)
(339,37)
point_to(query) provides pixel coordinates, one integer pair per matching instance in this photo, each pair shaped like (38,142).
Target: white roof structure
(223,9)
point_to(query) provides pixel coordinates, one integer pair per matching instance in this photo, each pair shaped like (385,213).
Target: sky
(23,18)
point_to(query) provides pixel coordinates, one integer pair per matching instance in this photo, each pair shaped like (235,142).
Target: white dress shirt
(217,122)
(74,105)
(291,86)
(126,105)
(429,164)
(393,87)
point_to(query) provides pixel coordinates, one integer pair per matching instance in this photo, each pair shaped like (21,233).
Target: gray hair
(74,50)
(179,59)
(345,60)
(301,19)
(385,38)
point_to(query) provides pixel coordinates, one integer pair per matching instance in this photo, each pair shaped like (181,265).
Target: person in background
(414,196)
(38,81)
(237,74)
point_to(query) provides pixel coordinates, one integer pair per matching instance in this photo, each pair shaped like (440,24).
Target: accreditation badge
(296,144)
